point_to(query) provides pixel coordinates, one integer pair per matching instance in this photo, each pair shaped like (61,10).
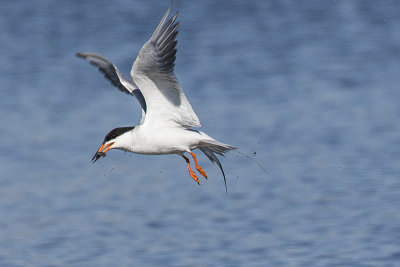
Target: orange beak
(105,148)
(101,152)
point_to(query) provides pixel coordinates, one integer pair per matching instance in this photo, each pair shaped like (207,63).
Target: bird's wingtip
(80,54)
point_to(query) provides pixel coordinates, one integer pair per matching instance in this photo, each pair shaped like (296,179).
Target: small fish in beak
(102,151)
(97,156)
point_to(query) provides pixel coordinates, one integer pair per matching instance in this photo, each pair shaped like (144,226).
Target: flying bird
(168,119)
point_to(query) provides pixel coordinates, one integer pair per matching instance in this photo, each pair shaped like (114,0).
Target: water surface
(310,86)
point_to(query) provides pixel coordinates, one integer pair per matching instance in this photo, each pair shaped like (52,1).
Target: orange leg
(197,165)
(194,176)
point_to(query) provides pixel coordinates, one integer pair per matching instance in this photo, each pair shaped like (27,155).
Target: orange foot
(194,176)
(197,166)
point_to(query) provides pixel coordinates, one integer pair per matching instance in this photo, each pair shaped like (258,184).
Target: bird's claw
(202,172)
(194,176)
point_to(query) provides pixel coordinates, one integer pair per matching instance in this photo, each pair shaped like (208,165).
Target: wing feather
(112,73)
(153,72)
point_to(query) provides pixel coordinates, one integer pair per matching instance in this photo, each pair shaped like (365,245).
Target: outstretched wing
(111,72)
(153,72)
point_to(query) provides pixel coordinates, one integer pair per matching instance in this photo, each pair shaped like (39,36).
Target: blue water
(312,87)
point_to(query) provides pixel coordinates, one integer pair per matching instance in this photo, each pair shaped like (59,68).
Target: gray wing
(111,72)
(153,72)
(159,53)
(164,40)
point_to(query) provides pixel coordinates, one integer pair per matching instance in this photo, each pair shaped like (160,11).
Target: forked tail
(212,147)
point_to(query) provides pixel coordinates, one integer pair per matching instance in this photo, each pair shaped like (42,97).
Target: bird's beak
(102,151)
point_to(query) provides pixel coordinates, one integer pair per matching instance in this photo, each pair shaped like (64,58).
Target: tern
(168,119)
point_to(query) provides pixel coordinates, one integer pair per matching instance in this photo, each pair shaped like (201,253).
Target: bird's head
(115,139)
